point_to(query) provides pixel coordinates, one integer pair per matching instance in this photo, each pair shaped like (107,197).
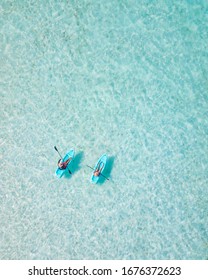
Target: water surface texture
(125,78)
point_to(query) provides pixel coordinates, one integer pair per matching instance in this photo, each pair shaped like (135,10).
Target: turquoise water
(125,78)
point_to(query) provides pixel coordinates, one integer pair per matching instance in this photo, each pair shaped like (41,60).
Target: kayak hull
(101,161)
(60,172)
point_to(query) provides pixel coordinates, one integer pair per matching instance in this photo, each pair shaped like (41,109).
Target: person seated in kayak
(63,165)
(98,170)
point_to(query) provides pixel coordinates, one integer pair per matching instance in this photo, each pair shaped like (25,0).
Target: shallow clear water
(125,78)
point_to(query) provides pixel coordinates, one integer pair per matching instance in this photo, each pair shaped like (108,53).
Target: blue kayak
(99,165)
(60,172)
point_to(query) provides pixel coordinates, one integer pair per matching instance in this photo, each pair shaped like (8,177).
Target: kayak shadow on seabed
(75,165)
(107,170)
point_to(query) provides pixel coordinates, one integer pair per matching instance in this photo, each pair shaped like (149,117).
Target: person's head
(96,173)
(60,164)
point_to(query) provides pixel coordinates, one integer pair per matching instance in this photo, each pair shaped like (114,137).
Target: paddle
(100,173)
(61,158)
